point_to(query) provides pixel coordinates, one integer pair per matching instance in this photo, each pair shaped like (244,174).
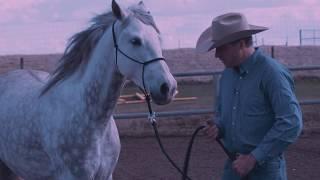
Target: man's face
(229,54)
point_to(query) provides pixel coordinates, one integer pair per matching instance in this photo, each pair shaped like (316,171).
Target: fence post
(314,37)
(272,51)
(300,36)
(21,63)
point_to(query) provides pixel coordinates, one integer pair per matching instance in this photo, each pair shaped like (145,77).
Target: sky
(44,26)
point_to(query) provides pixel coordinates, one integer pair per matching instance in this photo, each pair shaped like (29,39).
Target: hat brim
(205,42)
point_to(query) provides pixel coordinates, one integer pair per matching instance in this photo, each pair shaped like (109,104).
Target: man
(258,114)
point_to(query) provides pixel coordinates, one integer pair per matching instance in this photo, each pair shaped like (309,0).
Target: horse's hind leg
(6,173)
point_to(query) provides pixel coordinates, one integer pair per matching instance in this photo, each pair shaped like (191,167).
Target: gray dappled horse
(60,126)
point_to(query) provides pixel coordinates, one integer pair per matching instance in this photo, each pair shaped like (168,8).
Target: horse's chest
(90,157)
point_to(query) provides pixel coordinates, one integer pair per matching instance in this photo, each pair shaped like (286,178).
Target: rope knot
(152,118)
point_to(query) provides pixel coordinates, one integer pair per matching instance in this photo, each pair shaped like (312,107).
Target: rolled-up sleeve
(279,89)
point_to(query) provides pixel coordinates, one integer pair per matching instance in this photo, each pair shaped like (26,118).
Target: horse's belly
(30,164)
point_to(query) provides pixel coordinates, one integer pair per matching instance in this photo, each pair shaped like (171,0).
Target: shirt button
(237,92)
(234,108)
(240,77)
(232,123)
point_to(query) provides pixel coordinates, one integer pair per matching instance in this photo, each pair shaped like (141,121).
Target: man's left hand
(244,164)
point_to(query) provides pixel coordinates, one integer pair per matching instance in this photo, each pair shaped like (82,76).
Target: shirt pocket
(256,119)
(256,104)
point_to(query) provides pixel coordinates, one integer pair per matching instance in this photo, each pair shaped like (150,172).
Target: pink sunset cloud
(180,21)
(9,10)
(18,4)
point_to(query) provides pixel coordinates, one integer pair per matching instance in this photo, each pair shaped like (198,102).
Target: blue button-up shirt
(257,110)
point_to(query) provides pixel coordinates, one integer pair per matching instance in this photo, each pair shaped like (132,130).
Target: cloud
(181,31)
(18,9)
(284,19)
(18,4)
(310,2)
(49,38)
(180,21)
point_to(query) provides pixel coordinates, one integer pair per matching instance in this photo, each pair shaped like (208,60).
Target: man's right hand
(211,130)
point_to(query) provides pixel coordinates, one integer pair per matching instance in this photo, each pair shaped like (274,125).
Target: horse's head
(139,53)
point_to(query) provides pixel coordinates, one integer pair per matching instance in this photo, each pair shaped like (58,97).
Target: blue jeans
(273,169)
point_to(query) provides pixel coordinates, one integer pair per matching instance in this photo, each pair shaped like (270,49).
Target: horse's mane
(81,45)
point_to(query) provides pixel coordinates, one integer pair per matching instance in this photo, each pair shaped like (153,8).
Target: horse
(60,126)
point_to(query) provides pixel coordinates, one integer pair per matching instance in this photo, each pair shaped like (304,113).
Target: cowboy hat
(225,29)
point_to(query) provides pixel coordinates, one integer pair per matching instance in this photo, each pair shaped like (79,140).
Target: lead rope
(152,119)
(184,173)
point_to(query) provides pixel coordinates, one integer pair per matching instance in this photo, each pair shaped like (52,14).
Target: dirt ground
(141,158)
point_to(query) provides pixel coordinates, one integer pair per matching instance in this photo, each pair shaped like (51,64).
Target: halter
(144,64)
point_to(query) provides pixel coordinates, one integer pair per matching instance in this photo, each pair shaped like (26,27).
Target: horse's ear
(117,11)
(142,6)
(141,3)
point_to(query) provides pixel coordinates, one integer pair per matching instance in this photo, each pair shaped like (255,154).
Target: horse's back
(19,91)
(19,95)
(20,80)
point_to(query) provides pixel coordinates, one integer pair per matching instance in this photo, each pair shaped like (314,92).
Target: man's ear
(242,44)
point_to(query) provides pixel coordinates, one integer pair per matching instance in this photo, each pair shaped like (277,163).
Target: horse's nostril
(164,89)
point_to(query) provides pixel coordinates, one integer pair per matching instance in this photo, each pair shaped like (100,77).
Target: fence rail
(309,36)
(209,110)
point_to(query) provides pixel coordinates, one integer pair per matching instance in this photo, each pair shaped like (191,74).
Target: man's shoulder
(273,70)
(270,64)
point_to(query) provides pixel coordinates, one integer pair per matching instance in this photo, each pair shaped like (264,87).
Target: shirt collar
(248,64)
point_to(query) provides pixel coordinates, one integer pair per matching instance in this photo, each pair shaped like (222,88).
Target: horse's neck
(99,83)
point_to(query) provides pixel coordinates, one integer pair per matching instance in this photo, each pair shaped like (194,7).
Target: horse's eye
(136,41)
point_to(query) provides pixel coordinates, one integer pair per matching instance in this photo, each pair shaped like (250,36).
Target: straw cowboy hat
(225,29)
